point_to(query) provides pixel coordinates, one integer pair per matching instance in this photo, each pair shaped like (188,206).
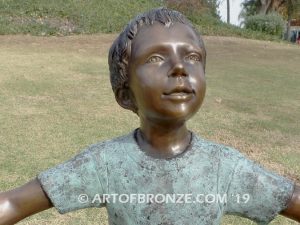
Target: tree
(288,9)
(228,11)
(283,7)
(265,6)
(250,8)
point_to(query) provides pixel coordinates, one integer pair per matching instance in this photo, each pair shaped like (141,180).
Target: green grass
(55,99)
(65,17)
(62,17)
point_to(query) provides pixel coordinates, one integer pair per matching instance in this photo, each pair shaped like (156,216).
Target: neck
(163,140)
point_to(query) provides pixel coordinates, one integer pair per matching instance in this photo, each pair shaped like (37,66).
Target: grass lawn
(55,99)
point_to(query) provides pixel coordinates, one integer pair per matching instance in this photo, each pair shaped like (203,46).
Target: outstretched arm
(21,202)
(293,209)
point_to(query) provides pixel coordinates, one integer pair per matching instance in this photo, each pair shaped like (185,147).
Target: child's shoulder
(114,146)
(120,140)
(217,150)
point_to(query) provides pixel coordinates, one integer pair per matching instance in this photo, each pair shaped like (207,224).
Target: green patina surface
(205,169)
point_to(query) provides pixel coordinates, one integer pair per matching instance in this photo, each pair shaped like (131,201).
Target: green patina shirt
(218,180)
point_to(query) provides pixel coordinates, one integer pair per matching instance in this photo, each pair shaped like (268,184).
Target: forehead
(160,35)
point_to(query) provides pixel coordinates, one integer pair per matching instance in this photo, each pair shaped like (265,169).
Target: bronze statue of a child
(157,69)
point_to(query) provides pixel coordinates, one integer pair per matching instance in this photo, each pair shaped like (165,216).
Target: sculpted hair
(120,50)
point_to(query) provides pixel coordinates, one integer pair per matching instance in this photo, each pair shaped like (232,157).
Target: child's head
(121,48)
(163,26)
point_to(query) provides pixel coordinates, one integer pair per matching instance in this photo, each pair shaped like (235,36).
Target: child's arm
(21,202)
(293,209)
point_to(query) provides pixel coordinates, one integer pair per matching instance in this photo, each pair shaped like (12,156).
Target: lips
(180,91)
(179,94)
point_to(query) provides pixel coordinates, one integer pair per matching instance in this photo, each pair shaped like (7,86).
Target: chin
(180,116)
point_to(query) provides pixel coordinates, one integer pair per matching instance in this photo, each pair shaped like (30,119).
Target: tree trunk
(289,12)
(266,6)
(228,11)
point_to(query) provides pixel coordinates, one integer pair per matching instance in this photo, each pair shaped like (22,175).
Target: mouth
(179,93)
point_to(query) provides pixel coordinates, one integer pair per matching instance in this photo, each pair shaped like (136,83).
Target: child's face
(166,73)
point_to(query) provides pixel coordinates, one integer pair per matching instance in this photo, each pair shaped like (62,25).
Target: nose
(177,69)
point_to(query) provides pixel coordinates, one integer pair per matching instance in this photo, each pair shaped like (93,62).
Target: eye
(154,59)
(193,57)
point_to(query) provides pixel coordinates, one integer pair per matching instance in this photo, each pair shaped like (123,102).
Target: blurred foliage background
(68,17)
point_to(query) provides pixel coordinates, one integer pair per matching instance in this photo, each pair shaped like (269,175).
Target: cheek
(199,85)
(198,81)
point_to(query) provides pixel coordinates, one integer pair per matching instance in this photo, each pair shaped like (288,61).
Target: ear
(125,98)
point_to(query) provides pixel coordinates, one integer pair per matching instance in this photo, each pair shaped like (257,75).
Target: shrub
(272,24)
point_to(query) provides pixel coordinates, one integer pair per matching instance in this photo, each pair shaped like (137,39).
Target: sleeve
(256,193)
(73,184)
